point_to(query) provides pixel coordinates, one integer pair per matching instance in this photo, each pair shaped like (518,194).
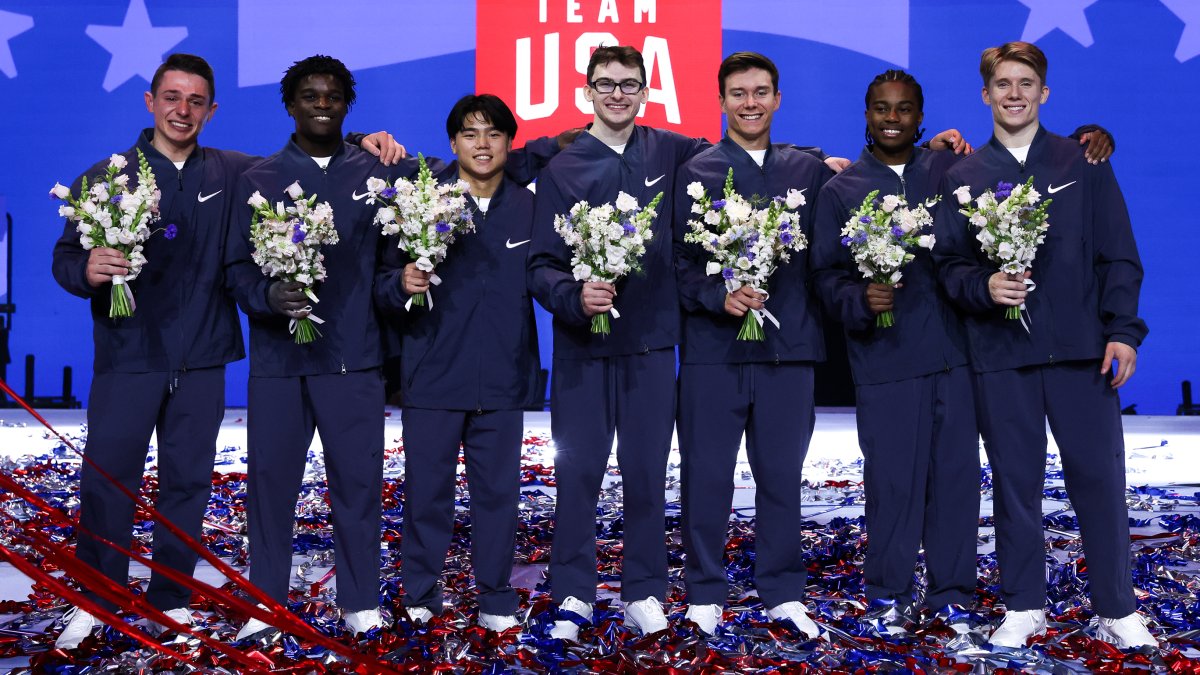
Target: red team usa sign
(534,55)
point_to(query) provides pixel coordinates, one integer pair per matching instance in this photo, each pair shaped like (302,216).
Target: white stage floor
(1162,452)
(1159,451)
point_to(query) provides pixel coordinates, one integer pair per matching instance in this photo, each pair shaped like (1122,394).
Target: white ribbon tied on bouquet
(307,308)
(1029,288)
(119,280)
(436,281)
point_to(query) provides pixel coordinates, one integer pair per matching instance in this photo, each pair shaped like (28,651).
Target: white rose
(60,191)
(294,190)
(794,199)
(738,210)
(256,200)
(117,161)
(376,184)
(963,194)
(626,203)
(712,268)
(66,211)
(890,202)
(695,190)
(121,180)
(582,272)
(926,241)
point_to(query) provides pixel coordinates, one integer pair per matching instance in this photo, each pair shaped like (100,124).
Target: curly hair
(316,65)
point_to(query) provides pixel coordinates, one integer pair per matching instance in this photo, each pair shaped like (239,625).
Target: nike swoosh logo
(357,197)
(1051,189)
(650,183)
(511,244)
(203,198)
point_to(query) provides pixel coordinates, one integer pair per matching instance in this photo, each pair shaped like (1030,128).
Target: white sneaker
(1128,632)
(254,627)
(362,621)
(1017,627)
(707,617)
(79,626)
(419,615)
(797,613)
(565,629)
(181,615)
(497,623)
(645,615)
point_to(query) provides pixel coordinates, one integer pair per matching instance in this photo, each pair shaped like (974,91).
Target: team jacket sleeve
(549,274)
(389,293)
(698,290)
(243,279)
(525,163)
(1087,128)
(69,264)
(833,276)
(958,270)
(1118,266)
(812,150)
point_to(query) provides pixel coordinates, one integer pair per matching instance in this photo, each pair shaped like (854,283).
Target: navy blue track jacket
(1088,272)
(647,301)
(476,349)
(184,319)
(928,336)
(709,333)
(351,334)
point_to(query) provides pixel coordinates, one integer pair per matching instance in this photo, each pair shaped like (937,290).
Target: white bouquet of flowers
(1012,223)
(881,234)
(425,216)
(287,246)
(607,242)
(747,243)
(111,215)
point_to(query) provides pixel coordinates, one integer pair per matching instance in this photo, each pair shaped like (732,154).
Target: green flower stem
(118,307)
(885,319)
(752,330)
(600,324)
(306,331)
(418,300)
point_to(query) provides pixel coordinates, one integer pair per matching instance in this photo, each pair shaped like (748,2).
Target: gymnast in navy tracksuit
(1081,316)
(163,369)
(728,386)
(622,383)
(915,402)
(469,363)
(332,384)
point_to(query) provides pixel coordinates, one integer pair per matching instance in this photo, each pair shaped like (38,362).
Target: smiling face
(481,148)
(749,100)
(181,106)
(893,117)
(616,110)
(319,107)
(1015,94)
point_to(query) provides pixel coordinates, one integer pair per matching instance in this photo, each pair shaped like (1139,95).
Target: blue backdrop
(72,76)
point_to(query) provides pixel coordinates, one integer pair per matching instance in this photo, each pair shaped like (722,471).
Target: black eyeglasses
(606,86)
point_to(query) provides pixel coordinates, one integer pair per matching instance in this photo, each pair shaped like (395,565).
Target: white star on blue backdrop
(1065,15)
(137,47)
(1188,11)
(11,25)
